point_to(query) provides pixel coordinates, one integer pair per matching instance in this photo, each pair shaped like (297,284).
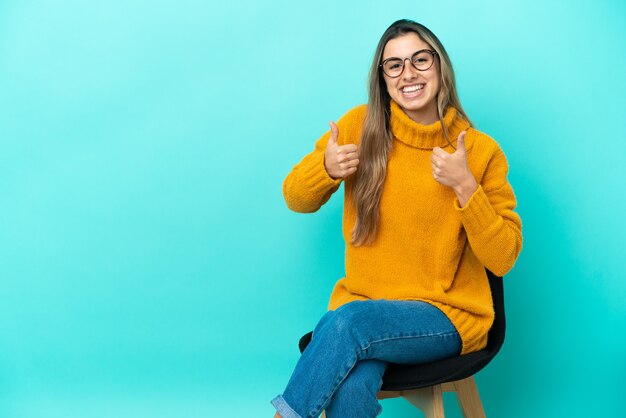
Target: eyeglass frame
(430,51)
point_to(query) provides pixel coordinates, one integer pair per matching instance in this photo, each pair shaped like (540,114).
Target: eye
(393,65)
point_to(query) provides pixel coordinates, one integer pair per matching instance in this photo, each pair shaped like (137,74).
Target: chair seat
(407,377)
(403,377)
(399,377)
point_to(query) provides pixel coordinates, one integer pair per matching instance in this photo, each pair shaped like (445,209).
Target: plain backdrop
(148,263)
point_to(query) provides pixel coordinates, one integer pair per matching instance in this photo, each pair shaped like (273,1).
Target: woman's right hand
(340,161)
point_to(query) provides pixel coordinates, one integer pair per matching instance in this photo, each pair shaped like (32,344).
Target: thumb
(460,142)
(334,133)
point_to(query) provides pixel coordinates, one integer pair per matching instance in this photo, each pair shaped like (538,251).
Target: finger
(350,171)
(334,132)
(342,157)
(460,142)
(439,152)
(348,164)
(352,156)
(436,161)
(348,148)
(344,153)
(437,173)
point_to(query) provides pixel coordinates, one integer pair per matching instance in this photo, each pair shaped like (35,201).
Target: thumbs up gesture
(340,161)
(453,171)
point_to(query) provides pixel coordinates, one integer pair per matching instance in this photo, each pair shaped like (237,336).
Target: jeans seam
(336,385)
(443,334)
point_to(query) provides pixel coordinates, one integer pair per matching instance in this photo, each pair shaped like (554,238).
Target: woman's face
(415,91)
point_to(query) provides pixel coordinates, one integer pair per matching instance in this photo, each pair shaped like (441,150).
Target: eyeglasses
(422,60)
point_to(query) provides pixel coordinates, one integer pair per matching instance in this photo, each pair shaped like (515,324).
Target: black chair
(423,384)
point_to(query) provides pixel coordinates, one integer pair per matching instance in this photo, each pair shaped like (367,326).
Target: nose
(408,71)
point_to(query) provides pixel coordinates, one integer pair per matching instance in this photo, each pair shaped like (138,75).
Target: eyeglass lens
(421,60)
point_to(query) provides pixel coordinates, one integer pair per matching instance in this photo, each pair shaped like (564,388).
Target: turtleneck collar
(415,134)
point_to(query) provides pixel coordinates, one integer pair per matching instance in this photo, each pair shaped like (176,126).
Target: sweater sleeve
(308,186)
(494,230)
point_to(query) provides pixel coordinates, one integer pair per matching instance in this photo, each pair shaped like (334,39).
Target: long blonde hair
(377,138)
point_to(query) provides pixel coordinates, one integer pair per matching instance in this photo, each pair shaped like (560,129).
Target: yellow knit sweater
(427,247)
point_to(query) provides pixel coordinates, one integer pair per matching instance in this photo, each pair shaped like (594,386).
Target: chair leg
(429,400)
(469,399)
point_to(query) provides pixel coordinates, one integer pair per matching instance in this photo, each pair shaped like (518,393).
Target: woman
(427,209)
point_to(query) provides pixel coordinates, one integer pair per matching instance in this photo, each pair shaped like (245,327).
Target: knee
(344,327)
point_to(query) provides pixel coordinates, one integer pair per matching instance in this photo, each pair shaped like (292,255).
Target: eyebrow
(398,58)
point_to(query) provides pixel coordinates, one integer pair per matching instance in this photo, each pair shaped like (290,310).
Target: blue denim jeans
(341,369)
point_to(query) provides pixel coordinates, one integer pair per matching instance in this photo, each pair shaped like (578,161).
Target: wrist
(327,170)
(465,190)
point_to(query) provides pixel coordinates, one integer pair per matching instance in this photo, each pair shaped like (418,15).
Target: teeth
(413,88)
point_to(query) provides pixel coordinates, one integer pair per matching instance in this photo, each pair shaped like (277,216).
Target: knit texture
(428,247)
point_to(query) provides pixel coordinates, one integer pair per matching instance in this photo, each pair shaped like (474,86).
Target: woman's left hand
(453,171)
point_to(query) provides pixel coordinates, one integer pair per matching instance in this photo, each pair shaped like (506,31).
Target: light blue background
(148,264)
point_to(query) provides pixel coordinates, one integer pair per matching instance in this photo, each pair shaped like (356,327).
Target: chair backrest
(498,329)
